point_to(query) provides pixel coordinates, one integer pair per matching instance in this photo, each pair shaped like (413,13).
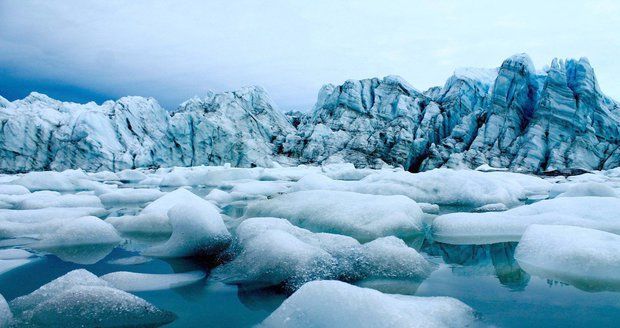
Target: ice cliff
(513,116)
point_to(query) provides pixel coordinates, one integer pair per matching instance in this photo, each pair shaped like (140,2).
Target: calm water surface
(486,277)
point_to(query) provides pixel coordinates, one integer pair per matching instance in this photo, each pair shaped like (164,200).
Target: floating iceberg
(274,252)
(338,304)
(47,214)
(361,216)
(441,186)
(600,213)
(586,258)
(125,196)
(80,299)
(97,306)
(39,200)
(86,230)
(153,219)
(197,230)
(138,282)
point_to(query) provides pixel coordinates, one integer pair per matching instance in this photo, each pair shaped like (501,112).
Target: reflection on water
(497,259)
(486,277)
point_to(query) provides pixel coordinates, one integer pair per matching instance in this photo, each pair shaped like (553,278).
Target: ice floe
(197,230)
(601,213)
(80,299)
(361,216)
(138,282)
(586,258)
(124,196)
(153,219)
(338,304)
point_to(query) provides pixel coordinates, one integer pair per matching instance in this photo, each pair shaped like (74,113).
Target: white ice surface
(586,258)
(197,230)
(361,216)
(601,213)
(338,304)
(138,282)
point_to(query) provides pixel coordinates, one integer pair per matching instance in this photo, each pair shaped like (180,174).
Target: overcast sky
(173,50)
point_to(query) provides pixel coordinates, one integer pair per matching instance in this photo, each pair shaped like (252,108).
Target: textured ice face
(80,299)
(511,117)
(273,252)
(98,306)
(586,258)
(338,304)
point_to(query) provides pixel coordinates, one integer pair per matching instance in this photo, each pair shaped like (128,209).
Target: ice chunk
(97,306)
(131,176)
(23,305)
(390,257)
(13,190)
(602,213)
(197,230)
(586,258)
(124,196)
(70,180)
(491,208)
(439,186)
(45,214)
(589,189)
(6,317)
(361,216)
(44,200)
(14,254)
(132,260)
(8,265)
(9,229)
(87,230)
(274,252)
(219,197)
(138,282)
(153,219)
(276,257)
(338,304)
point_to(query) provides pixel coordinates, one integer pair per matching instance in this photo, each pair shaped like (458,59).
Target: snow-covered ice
(274,252)
(361,216)
(338,304)
(98,306)
(79,298)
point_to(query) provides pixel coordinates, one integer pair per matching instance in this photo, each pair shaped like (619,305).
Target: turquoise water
(485,277)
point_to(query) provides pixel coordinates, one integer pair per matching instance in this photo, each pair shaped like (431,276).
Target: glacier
(514,117)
